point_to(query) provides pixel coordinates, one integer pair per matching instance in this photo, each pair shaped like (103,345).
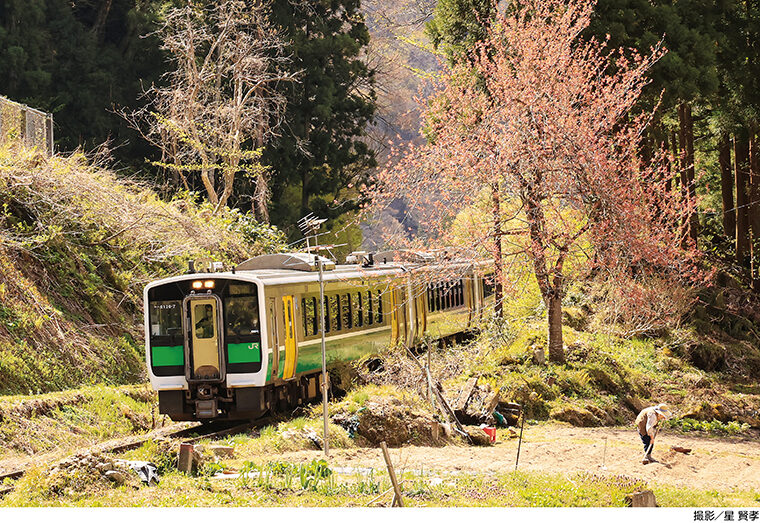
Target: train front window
(204,321)
(242,315)
(165,318)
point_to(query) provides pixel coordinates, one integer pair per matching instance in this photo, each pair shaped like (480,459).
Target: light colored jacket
(646,421)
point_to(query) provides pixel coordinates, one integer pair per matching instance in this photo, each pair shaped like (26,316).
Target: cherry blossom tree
(533,152)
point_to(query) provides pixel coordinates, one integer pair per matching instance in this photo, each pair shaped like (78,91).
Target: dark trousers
(646,439)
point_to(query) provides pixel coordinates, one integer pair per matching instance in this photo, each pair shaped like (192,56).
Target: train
(238,344)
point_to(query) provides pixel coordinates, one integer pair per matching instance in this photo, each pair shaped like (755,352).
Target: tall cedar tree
(739,69)
(79,59)
(533,119)
(321,150)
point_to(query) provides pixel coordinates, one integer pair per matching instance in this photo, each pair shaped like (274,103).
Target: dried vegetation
(77,245)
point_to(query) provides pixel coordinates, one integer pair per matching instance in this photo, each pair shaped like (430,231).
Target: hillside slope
(77,246)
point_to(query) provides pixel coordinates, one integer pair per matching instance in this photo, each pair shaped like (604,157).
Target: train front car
(203,344)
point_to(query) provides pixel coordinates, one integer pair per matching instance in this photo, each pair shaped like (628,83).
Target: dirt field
(714,463)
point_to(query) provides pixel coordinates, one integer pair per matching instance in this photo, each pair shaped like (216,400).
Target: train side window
(326,303)
(314,316)
(309,306)
(380,307)
(304,317)
(346,305)
(335,312)
(369,312)
(358,309)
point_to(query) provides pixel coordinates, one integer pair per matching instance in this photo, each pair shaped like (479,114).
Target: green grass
(313,484)
(61,421)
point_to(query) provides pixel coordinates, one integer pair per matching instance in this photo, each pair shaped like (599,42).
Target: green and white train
(239,344)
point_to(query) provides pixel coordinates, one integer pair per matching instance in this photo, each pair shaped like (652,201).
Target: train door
(204,326)
(398,317)
(421,306)
(291,347)
(394,318)
(274,338)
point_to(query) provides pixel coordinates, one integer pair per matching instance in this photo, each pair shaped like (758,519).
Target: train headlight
(197,285)
(209,284)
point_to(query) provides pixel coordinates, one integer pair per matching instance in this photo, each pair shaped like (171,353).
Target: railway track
(185,435)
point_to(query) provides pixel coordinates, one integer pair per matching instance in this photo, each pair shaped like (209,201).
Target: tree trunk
(688,188)
(741,168)
(690,175)
(727,186)
(754,209)
(497,234)
(261,199)
(98,28)
(554,315)
(305,178)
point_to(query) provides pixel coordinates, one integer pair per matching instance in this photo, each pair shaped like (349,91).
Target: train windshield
(165,318)
(242,310)
(242,315)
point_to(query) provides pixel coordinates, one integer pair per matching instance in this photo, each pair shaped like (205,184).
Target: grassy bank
(77,245)
(64,422)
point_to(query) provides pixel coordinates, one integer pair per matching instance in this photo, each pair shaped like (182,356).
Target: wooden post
(465,394)
(644,498)
(185,460)
(519,442)
(397,499)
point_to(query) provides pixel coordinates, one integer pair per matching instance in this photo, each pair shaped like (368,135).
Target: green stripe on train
(167,356)
(243,352)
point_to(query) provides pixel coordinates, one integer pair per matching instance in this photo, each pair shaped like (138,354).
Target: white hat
(662,410)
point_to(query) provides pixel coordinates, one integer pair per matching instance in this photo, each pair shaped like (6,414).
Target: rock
(115,476)
(223,451)
(576,416)
(477,436)
(396,424)
(708,412)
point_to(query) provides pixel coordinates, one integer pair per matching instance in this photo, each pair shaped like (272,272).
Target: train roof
(300,268)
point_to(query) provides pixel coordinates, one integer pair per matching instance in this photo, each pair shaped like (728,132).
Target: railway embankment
(77,245)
